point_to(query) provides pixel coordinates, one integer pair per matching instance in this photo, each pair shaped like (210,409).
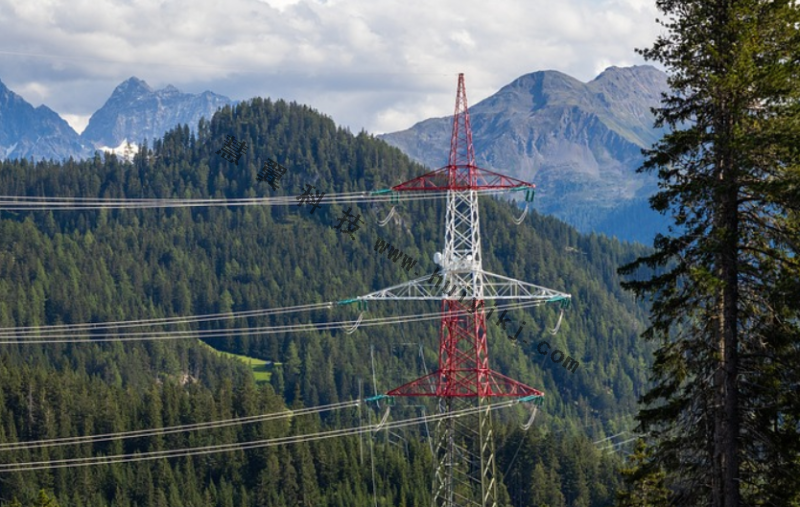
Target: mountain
(136,112)
(29,132)
(133,113)
(580,143)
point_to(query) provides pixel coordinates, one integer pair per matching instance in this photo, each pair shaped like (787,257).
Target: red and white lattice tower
(464,462)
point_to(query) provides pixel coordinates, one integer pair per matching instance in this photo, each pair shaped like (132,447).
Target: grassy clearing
(261,369)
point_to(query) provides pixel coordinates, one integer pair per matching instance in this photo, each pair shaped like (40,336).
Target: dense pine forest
(60,267)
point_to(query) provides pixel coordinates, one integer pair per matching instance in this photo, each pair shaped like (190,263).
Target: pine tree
(44,500)
(715,412)
(646,485)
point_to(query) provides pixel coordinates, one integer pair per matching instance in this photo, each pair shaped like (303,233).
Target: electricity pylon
(464,463)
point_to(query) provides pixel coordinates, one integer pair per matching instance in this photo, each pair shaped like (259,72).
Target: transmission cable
(240,446)
(124,435)
(45,203)
(8,338)
(36,330)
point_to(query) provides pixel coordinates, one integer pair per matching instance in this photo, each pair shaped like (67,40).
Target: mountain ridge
(579,142)
(27,131)
(135,111)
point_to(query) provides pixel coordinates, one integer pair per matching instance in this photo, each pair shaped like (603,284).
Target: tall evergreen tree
(645,485)
(722,424)
(43,500)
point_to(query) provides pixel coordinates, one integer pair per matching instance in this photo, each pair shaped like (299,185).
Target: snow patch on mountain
(125,150)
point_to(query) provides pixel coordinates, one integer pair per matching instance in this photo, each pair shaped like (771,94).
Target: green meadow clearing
(261,368)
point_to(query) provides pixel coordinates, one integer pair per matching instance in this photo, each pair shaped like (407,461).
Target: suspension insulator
(388,217)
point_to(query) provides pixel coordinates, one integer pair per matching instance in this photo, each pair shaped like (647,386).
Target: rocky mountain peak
(28,132)
(137,112)
(133,86)
(579,142)
(169,91)
(8,97)
(134,112)
(619,83)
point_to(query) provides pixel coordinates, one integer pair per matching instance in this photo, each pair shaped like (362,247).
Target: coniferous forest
(64,267)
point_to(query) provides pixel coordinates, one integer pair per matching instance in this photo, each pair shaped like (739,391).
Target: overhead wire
(126,435)
(45,203)
(238,446)
(619,444)
(163,321)
(513,458)
(609,438)
(9,338)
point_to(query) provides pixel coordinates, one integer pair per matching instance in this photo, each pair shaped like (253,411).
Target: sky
(376,65)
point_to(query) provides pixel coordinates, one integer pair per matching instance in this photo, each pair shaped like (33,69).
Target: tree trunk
(726,451)
(730,357)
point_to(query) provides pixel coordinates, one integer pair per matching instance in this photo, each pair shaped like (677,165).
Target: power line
(45,203)
(240,446)
(612,446)
(609,438)
(94,326)
(65,337)
(125,435)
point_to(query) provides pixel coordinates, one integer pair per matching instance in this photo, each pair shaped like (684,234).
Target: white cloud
(463,38)
(78,122)
(281,5)
(378,65)
(34,92)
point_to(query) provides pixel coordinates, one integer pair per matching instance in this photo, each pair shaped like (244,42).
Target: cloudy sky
(379,65)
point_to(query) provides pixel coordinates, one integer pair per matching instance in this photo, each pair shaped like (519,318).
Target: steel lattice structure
(465,465)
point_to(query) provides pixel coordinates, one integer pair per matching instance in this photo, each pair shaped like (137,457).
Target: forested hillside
(97,266)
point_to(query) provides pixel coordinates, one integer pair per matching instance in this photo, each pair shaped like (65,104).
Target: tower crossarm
(461,285)
(501,287)
(462,177)
(420,289)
